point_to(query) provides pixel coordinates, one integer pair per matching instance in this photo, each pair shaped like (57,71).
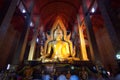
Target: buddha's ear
(68,36)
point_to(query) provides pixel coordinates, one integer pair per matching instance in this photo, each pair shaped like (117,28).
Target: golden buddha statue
(58,45)
(60,48)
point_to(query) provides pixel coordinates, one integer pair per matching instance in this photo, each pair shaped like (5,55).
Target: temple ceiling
(48,10)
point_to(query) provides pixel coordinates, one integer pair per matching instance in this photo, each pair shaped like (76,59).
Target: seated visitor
(62,76)
(74,77)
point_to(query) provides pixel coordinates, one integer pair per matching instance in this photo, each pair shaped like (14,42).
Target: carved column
(33,42)
(19,56)
(112,36)
(91,36)
(6,21)
(28,20)
(109,26)
(24,45)
(18,50)
(82,41)
(83,45)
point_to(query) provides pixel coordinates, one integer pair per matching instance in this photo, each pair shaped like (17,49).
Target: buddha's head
(58,33)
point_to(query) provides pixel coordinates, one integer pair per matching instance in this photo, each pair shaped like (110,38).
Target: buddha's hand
(46,55)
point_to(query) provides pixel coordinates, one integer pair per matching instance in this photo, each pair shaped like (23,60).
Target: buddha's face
(58,35)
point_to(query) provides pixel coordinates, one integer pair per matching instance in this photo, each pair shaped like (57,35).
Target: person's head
(58,33)
(68,71)
(74,77)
